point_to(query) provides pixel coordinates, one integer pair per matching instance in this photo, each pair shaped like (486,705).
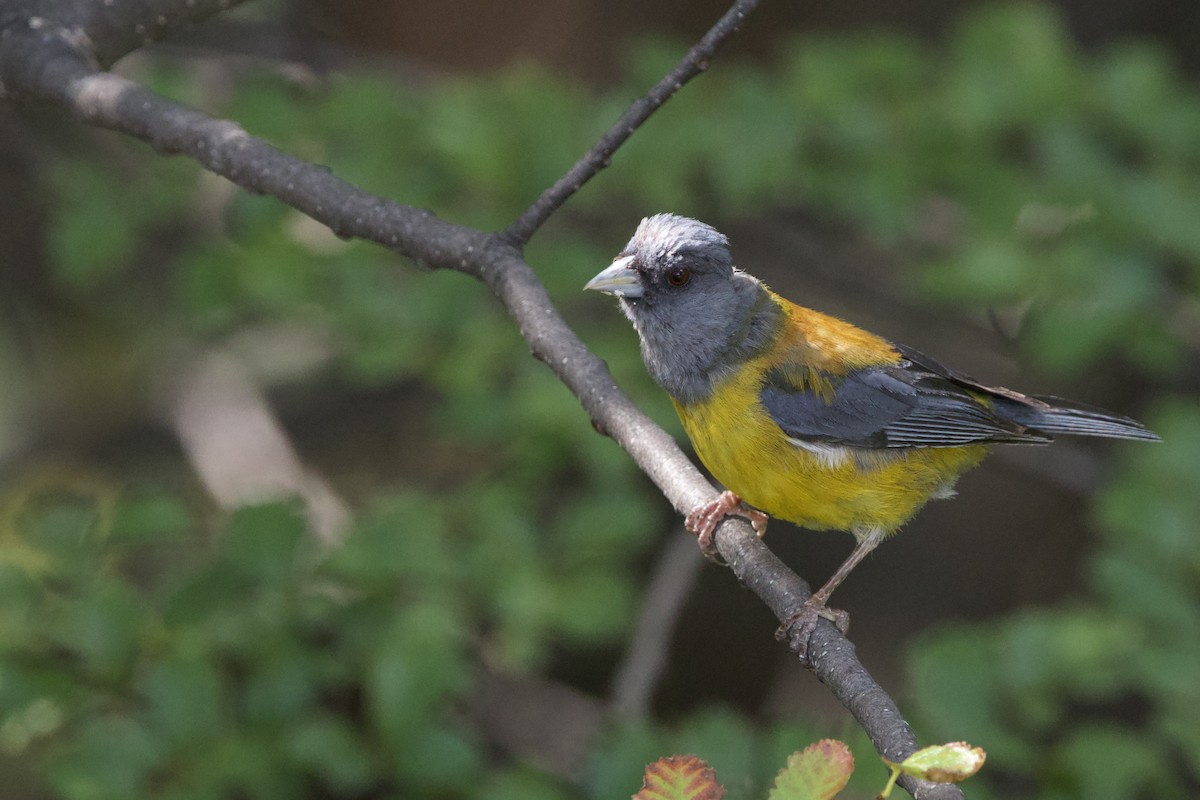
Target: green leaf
(399,540)
(280,686)
(943,763)
(522,784)
(440,759)
(150,517)
(204,595)
(62,531)
(184,698)
(416,670)
(263,541)
(818,772)
(21,612)
(103,628)
(1110,763)
(109,758)
(593,604)
(330,749)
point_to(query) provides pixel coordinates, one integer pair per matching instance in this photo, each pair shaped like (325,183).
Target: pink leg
(703,520)
(800,626)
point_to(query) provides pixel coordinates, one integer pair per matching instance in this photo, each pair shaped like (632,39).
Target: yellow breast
(850,489)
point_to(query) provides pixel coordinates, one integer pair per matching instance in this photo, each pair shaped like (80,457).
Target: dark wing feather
(1048,415)
(908,404)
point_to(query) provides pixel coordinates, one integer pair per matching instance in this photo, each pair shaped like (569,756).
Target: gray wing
(908,404)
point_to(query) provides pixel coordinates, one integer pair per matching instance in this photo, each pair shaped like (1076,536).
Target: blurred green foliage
(151,648)
(1014,168)
(1097,699)
(139,656)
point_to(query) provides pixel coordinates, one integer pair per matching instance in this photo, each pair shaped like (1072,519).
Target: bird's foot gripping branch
(703,520)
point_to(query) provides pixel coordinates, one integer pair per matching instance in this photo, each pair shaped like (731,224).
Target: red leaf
(680,778)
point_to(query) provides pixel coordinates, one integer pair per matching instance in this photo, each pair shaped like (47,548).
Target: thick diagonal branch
(103,31)
(53,56)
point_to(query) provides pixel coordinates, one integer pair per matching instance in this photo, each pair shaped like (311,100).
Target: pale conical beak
(620,279)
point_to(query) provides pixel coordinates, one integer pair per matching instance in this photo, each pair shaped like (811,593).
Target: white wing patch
(828,456)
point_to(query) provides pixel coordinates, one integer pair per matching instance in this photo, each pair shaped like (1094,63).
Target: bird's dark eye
(679,276)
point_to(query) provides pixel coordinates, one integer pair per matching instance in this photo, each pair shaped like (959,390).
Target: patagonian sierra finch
(806,417)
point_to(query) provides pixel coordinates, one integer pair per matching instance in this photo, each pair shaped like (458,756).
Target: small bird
(806,417)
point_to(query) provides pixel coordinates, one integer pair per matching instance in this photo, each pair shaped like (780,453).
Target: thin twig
(600,155)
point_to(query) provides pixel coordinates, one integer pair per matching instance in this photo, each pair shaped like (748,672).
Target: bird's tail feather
(1078,419)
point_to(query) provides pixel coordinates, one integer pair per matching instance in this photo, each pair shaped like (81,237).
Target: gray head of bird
(696,314)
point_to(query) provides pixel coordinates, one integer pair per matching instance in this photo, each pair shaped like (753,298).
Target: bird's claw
(799,627)
(703,520)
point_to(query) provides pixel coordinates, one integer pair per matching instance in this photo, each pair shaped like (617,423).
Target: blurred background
(282,515)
